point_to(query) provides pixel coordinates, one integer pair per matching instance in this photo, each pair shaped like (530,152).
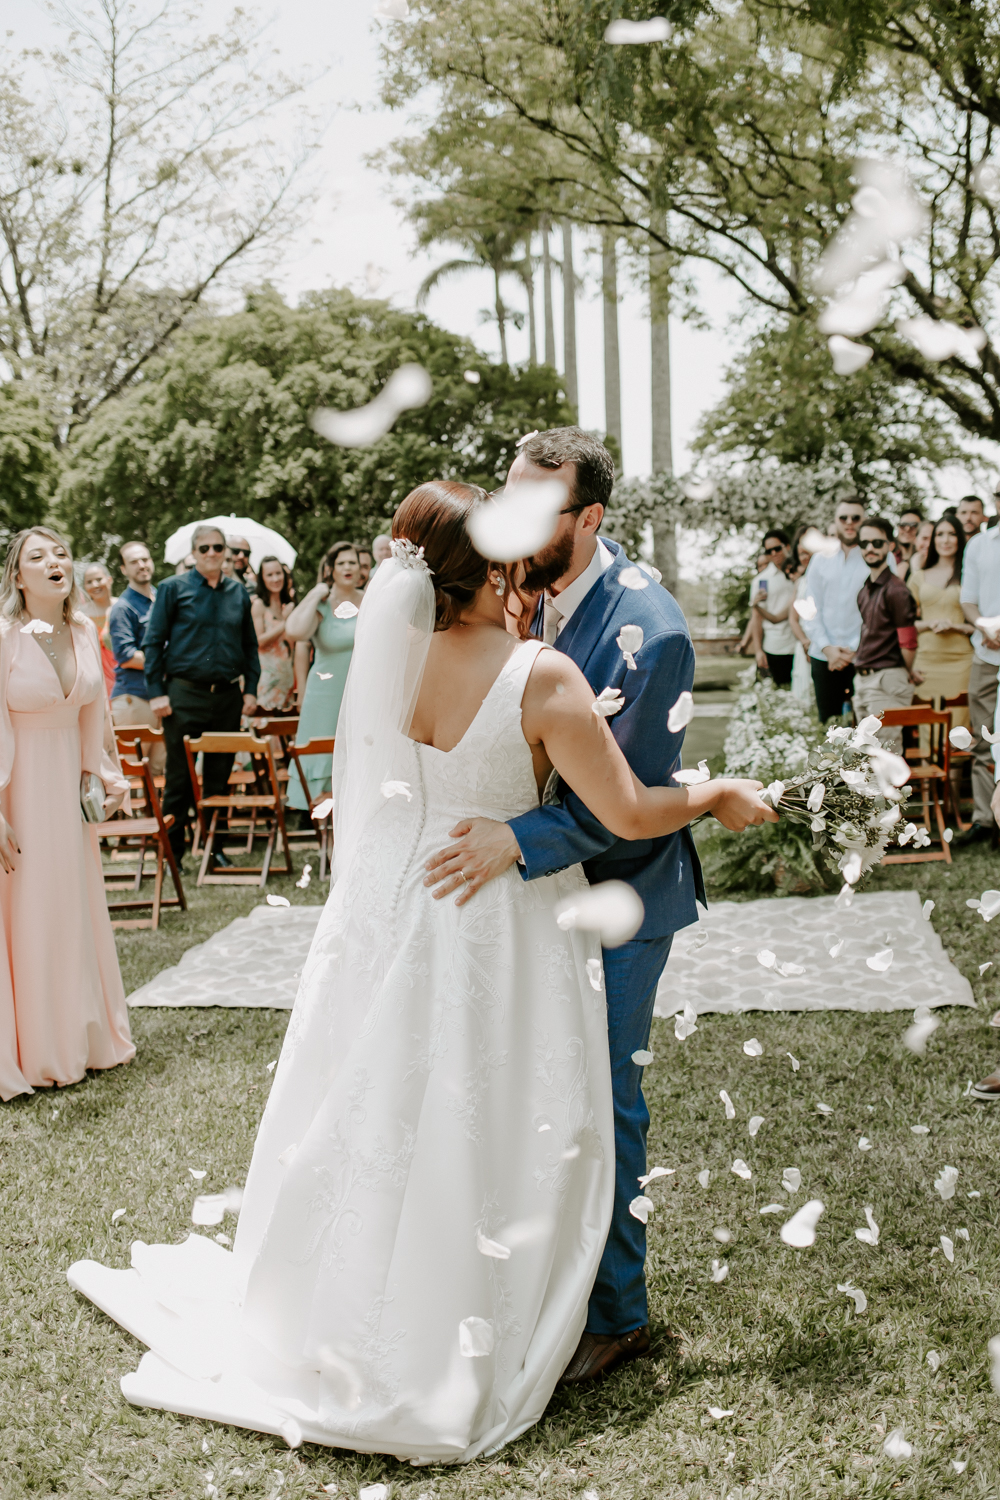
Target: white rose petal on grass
(993,1349)
(860,1300)
(119,1213)
(407,388)
(753,1048)
(704,1178)
(926,909)
(740,1169)
(824,1109)
(880,961)
(278,901)
(796,1065)
(960,1465)
(946,1183)
(800,1230)
(864,1144)
(722,1235)
(595,973)
(632,578)
(730,1106)
(681,713)
(291,1432)
(896,1446)
(306,877)
(870,1235)
(654,1173)
(756,1121)
(694,778)
(948,1249)
(985,966)
(791,1179)
(491,1248)
(933,1358)
(963,1234)
(519,521)
(641,1207)
(920,1129)
(623,33)
(475,1338)
(720,1271)
(773,1208)
(374,1492)
(686,1023)
(608,702)
(717,1413)
(611,908)
(642,1058)
(197,1173)
(805,608)
(989,905)
(925,1023)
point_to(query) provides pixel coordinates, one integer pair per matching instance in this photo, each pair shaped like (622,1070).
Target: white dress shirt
(835,582)
(561,607)
(981,585)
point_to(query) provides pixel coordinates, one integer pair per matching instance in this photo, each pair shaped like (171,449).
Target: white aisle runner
(256,960)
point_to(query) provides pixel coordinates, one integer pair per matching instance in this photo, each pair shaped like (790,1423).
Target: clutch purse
(92,797)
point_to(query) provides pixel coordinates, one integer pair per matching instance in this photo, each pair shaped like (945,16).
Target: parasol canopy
(263,541)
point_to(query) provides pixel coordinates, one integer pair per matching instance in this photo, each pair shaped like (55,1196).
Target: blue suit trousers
(631,973)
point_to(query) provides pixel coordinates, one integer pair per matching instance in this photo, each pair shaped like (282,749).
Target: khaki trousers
(890,688)
(130,712)
(982,708)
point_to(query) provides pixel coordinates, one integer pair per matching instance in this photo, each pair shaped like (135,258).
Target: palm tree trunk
(612,365)
(665,526)
(550,327)
(529,279)
(501,319)
(569,314)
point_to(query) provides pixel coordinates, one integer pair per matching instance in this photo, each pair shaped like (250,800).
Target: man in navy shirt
(127,625)
(199,643)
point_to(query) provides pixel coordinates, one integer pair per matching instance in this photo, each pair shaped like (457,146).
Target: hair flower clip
(408,555)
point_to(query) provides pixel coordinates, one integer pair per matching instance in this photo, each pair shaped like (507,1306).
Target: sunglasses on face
(878,543)
(240,551)
(852,517)
(908,525)
(211,547)
(771,551)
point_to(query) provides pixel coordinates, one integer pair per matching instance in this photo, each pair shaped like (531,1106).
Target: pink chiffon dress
(62,1003)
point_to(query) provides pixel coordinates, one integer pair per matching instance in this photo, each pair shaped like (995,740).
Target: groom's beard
(549,565)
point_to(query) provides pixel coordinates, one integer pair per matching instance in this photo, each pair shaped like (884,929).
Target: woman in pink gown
(62,1003)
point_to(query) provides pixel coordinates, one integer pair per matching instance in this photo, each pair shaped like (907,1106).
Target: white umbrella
(263,541)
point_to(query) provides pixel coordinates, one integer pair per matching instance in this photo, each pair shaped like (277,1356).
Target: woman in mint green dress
(316,619)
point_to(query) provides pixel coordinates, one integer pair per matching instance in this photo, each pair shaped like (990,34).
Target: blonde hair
(11,598)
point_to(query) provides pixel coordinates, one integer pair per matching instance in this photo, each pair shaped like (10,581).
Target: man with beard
(588,591)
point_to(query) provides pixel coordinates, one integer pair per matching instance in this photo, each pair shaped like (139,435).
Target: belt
(874,671)
(218,686)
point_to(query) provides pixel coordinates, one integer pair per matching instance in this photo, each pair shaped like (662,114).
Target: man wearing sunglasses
(834,633)
(199,643)
(883,663)
(240,549)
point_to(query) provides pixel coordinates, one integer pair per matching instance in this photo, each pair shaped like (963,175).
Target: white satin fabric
(444,1082)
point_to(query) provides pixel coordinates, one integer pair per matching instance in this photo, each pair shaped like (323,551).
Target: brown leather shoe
(598,1354)
(989,1089)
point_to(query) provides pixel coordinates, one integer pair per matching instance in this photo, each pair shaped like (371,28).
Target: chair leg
(206,862)
(175,874)
(269,850)
(137,886)
(157,887)
(939,815)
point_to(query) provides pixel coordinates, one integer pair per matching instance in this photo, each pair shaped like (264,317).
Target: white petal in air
(410,386)
(694,778)
(640,1208)
(278,900)
(805,608)
(629,642)
(730,1107)
(791,1179)
(896,1446)
(948,1248)
(629,578)
(396,789)
(595,973)
(936,340)
(989,905)
(880,961)
(642,1058)
(986,181)
(346,611)
(865,304)
(36,627)
(756,1121)
(946,1183)
(491,1248)
(623,33)
(985,966)
(472,376)
(519,522)
(860,1300)
(291,1432)
(322,809)
(848,357)
(699,489)
(800,1230)
(960,737)
(870,1235)
(305,878)
(608,702)
(845,897)
(611,908)
(654,1173)
(925,1023)
(740,1168)
(475,1337)
(753,1048)
(391,10)
(990,739)
(681,713)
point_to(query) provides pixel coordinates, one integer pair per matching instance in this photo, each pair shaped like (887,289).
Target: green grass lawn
(813,1387)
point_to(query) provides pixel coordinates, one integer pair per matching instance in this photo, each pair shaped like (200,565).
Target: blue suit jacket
(666,872)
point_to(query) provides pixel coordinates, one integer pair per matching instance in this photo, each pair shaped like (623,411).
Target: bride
(433,1178)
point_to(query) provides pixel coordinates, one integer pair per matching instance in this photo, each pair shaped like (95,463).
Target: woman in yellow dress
(944,650)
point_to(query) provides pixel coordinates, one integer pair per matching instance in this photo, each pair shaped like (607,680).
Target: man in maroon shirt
(883,663)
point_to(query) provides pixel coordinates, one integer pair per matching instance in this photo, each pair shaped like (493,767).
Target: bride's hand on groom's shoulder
(739,805)
(484,849)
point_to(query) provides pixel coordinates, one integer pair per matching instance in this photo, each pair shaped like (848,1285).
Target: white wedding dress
(444,1083)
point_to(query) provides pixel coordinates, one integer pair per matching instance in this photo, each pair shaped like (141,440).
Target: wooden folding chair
(264,802)
(133,836)
(324,825)
(929,774)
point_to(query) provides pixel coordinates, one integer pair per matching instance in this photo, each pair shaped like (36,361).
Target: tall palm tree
(493,250)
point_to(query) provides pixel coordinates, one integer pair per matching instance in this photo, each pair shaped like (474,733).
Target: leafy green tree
(29,462)
(221,424)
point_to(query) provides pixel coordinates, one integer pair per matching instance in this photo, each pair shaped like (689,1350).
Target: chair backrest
(235,743)
(937,720)
(136,767)
(283,728)
(315,746)
(226,743)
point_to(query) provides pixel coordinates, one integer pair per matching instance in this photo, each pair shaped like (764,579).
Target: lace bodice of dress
(489,773)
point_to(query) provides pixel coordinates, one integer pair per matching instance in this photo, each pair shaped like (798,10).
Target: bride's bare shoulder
(556,682)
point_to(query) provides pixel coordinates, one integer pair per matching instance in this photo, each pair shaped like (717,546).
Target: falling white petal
(948,1249)
(642,1058)
(595,973)
(396,789)
(681,713)
(278,900)
(845,897)
(989,905)
(720,1270)
(209,1209)
(870,1235)
(800,1230)
(848,357)
(864,1144)
(322,809)
(805,608)
(519,522)
(491,1248)
(991,739)
(409,387)
(633,578)
(610,908)
(896,1446)
(694,778)
(629,642)
(36,627)
(938,340)
(796,1065)
(791,1179)
(926,909)
(753,1048)
(740,1168)
(472,376)
(654,1173)
(860,1300)
(291,1432)
(790,971)
(641,1207)
(699,489)
(925,1023)
(880,961)
(608,702)
(475,1338)
(622,33)
(756,1121)
(985,966)
(730,1107)
(391,10)
(960,737)
(946,1183)
(864,305)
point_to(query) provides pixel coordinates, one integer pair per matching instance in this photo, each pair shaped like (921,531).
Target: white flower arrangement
(771,733)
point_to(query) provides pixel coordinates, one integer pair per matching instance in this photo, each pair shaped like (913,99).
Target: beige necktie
(550,621)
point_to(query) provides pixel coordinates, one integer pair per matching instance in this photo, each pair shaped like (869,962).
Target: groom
(582,608)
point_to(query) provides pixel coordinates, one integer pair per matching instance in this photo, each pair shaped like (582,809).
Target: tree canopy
(220,424)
